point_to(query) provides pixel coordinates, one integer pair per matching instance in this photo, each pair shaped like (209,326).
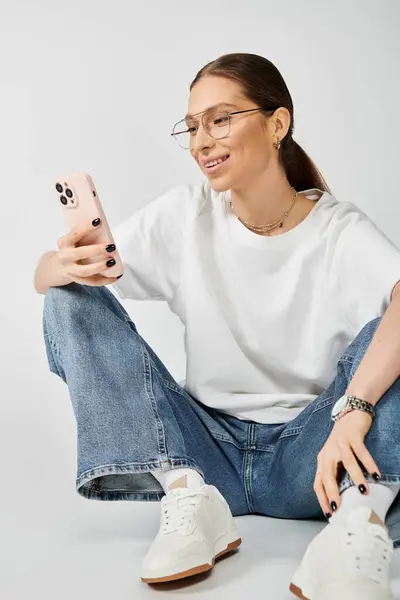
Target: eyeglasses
(216,123)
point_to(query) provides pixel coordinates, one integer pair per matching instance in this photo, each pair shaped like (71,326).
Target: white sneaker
(350,562)
(196,528)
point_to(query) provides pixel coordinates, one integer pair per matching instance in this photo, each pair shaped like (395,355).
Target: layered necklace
(265,229)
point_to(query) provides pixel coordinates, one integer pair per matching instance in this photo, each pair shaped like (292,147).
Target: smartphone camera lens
(59,188)
(63,200)
(69,193)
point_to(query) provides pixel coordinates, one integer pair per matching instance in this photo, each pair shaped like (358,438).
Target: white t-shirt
(266,317)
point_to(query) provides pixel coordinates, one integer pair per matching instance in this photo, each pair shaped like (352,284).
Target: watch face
(340,405)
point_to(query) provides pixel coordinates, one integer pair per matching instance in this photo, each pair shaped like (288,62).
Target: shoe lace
(370,554)
(180,509)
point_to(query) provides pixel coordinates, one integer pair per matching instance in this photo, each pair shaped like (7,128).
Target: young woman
(291,402)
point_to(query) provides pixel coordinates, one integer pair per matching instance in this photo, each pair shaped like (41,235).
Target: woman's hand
(69,257)
(344,445)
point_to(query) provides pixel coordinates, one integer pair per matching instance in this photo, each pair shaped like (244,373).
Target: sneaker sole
(195,570)
(302,585)
(297,592)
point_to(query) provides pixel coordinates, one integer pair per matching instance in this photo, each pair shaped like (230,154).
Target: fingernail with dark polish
(376,476)
(96,222)
(110,262)
(328,515)
(362,488)
(333,506)
(110,248)
(119,276)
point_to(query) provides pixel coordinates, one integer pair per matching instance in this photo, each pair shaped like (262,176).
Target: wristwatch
(347,403)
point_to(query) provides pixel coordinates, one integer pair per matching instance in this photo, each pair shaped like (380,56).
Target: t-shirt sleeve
(150,244)
(368,268)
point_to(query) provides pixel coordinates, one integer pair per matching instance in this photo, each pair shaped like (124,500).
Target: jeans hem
(109,496)
(94,492)
(348,482)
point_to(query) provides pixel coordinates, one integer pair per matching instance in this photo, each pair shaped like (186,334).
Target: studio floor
(86,549)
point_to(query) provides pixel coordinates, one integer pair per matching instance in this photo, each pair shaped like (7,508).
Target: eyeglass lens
(215,122)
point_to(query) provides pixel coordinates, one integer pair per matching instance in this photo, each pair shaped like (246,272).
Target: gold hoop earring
(277,144)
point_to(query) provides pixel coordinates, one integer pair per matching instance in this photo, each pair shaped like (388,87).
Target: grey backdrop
(96,86)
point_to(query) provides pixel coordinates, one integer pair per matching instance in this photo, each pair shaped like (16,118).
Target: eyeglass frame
(229,114)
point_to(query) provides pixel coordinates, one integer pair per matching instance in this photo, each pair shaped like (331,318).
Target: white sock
(178,478)
(380,498)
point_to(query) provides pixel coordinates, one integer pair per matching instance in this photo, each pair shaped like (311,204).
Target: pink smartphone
(81,204)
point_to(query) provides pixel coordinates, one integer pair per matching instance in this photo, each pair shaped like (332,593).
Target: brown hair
(263,84)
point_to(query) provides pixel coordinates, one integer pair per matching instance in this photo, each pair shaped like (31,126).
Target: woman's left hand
(344,445)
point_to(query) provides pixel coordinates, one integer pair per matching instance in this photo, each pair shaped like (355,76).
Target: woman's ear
(281,122)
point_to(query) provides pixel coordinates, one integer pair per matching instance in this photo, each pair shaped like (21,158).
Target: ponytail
(301,172)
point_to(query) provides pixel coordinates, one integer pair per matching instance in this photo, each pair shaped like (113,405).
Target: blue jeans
(133,417)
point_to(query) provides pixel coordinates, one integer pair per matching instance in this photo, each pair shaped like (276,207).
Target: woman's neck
(265,202)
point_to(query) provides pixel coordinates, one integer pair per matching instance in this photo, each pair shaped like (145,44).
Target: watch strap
(354,403)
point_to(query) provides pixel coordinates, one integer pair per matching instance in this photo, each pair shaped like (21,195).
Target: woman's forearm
(380,365)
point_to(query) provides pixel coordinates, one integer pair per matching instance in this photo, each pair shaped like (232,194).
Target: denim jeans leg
(383,439)
(285,479)
(131,414)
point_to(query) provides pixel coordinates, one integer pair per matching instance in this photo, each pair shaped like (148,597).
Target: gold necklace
(269,226)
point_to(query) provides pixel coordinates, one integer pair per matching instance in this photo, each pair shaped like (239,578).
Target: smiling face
(249,144)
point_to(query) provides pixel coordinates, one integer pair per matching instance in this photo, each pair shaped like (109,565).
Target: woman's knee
(360,343)
(77,300)
(64,295)
(367,332)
